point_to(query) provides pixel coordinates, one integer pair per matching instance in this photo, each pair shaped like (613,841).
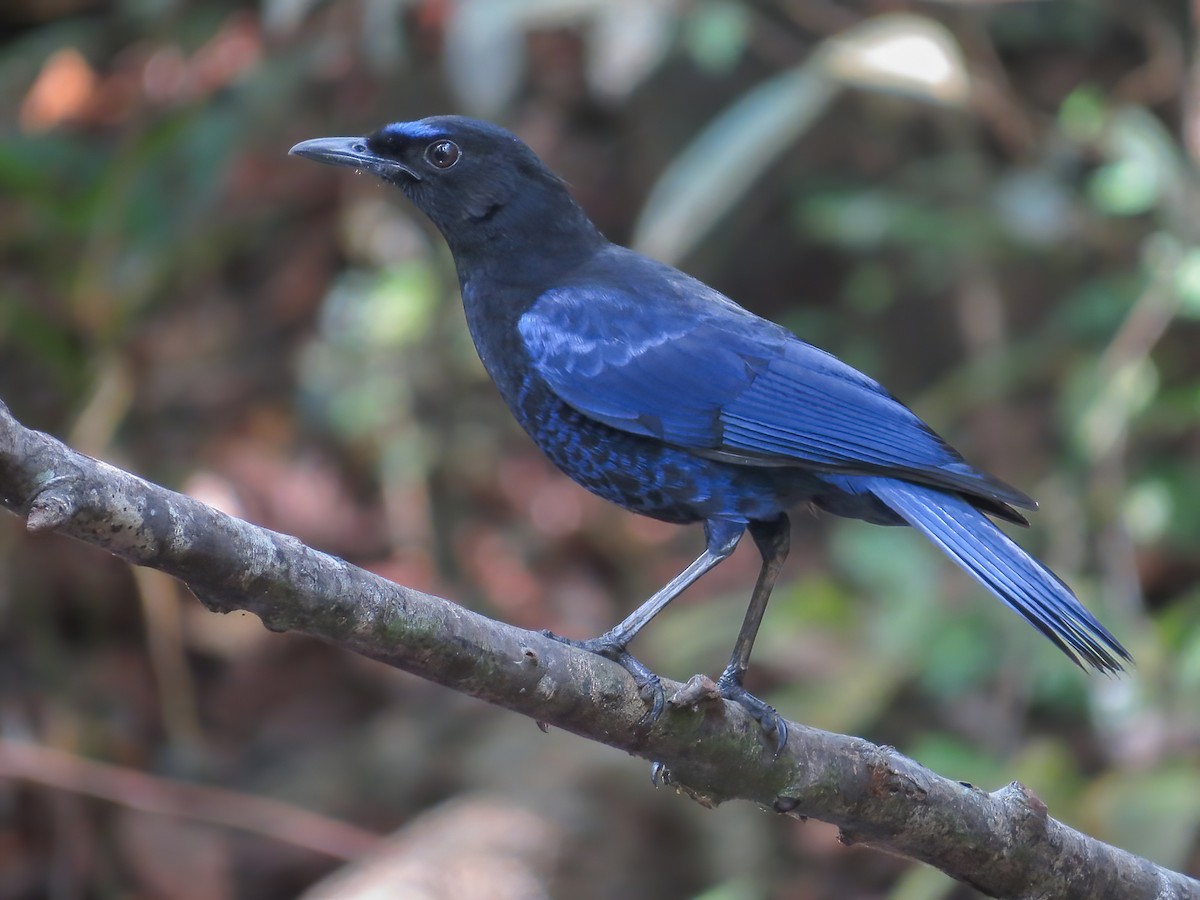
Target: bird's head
(472,178)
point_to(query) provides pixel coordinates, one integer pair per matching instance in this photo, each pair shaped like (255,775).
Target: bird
(662,395)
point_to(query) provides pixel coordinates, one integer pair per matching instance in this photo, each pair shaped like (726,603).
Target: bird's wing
(682,363)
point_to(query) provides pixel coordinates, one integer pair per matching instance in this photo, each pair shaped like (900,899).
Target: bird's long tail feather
(1023,583)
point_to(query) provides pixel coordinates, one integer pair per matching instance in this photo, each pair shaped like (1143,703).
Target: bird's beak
(352,152)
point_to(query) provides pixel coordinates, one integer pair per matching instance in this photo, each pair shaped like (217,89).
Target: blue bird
(662,395)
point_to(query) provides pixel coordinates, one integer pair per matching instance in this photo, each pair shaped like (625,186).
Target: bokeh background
(992,208)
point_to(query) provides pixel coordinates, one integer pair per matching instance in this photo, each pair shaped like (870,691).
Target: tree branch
(1004,843)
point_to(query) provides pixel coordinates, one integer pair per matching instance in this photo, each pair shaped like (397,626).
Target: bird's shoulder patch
(589,329)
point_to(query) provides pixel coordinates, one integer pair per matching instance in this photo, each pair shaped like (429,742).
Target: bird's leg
(772,540)
(721,538)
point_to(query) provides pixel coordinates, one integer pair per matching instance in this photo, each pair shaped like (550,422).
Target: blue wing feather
(675,360)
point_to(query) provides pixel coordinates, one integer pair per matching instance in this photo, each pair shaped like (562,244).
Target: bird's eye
(442,154)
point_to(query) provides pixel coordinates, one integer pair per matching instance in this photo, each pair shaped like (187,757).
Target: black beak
(352,152)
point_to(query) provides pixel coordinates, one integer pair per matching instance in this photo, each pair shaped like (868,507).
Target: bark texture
(1004,843)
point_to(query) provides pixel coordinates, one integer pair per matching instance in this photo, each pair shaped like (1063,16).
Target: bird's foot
(648,684)
(774,726)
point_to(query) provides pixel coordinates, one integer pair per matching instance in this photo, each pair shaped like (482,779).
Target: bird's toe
(773,725)
(648,684)
(651,691)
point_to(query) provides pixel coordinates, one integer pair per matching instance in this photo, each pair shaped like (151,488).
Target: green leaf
(1187,283)
(1083,113)
(716,35)
(1127,187)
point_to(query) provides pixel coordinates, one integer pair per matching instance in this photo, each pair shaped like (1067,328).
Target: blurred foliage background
(989,207)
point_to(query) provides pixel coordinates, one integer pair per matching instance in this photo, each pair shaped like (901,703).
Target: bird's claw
(652,693)
(648,684)
(773,725)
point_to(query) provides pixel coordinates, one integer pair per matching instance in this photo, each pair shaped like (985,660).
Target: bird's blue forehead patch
(419,130)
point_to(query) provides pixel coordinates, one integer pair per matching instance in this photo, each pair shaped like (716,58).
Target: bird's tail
(1023,583)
